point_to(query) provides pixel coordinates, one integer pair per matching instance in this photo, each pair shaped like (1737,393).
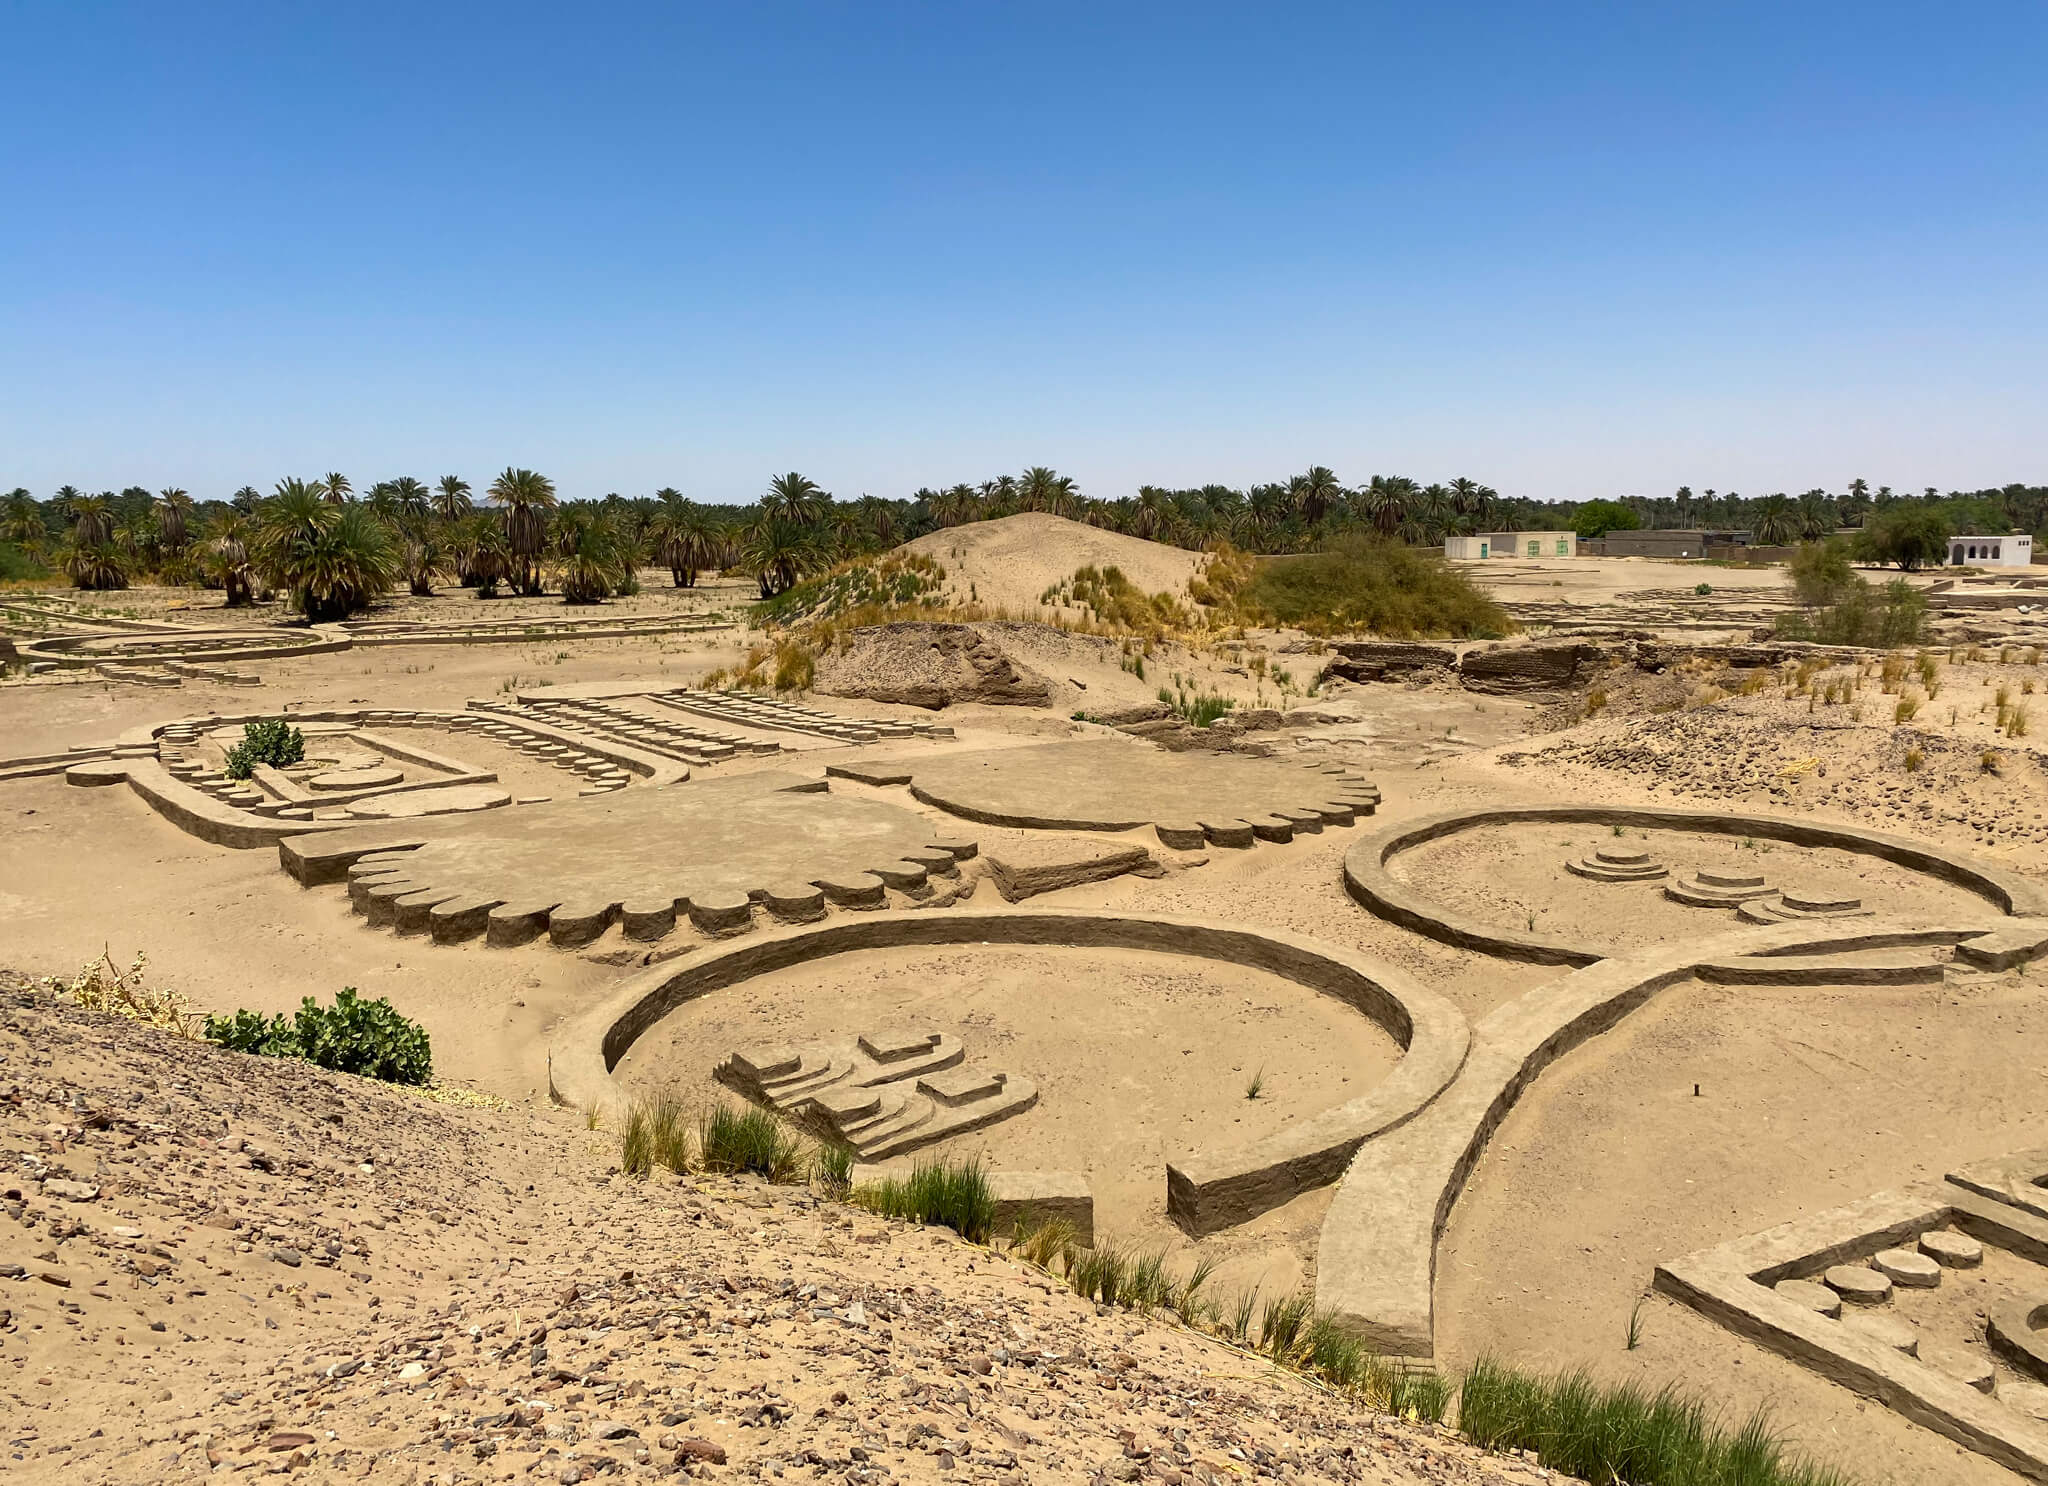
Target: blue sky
(1570,250)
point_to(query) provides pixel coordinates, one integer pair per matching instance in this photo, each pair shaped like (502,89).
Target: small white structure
(2014,550)
(1486,545)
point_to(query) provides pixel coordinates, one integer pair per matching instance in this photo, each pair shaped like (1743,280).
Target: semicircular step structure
(1619,864)
(1784,908)
(1719,889)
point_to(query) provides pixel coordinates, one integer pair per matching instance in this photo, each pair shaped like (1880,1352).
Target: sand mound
(1009,563)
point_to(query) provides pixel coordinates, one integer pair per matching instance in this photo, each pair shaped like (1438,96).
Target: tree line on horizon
(332,551)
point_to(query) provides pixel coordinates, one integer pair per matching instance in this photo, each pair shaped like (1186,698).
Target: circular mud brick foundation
(448,800)
(1952,1250)
(1963,1365)
(1889,1330)
(339,779)
(1859,1285)
(1908,1269)
(1814,1297)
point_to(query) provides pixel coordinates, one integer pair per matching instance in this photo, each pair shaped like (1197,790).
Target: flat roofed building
(1672,542)
(1486,545)
(2012,550)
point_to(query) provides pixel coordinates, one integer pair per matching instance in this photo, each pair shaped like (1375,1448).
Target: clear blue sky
(1570,250)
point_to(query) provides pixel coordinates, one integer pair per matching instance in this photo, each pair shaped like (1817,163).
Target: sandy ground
(1809,1098)
(215,1263)
(1008,564)
(1070,1021)
(1507,876)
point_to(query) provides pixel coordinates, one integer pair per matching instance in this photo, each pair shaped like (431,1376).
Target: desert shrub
(1821,573)
(1119,604)
(273,742)
(1197,708)
(1581,1428)
(656,1132)
(1895,614)
(1366,584)
(368,1038)
(18,565)
(937,1193)
(898,581)
(749,1139)
(101,985)
(795,666)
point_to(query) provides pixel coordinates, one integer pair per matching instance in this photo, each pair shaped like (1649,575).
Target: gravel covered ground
(221,1263)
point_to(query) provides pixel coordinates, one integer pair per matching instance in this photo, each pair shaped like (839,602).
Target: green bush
(1365,583)
(1862,615)
(276,743)
(20,566)
(1907,537)
(1596,518)
(368,1038)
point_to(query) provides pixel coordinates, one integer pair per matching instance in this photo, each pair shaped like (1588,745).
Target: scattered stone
(1814,1297)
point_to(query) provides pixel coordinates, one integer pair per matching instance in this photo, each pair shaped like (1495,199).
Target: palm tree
(1859,489)
(778,552)
(1816,519)
(1148,516)
(1464,496)
(224,557)
(795,499)
(173,512)
(1064,499)
(1315,492)
(685,538)
(1034,489)
(1777,520)
(95,565)
(451,498)
(527,497)
(246,500)
(423,556)
(21,519)
(332,560)
(1386,501)
(409,499)
(482,558)
(592,561)
(91,517)
(337,488)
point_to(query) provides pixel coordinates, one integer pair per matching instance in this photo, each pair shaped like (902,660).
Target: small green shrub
(368,1038)
(834,1166)
(1703,589)
(939,1194)
(275,742)
(749,1139)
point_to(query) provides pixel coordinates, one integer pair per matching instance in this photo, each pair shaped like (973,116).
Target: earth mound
(1009,563)
(215,1260)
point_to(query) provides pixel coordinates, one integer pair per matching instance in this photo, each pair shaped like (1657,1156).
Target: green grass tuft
(749,1139)
(1601,1433)
(937,1193)
(656,1132)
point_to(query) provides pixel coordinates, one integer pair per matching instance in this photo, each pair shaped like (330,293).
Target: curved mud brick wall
(1205,1192)
(1376,1263)
(199,814)
(82,651)
(371,636)
(1367,879)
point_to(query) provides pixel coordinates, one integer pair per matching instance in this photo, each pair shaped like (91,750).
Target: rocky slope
(221,1263)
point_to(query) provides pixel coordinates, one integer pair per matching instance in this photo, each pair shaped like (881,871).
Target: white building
(2013,550)
(1485,545)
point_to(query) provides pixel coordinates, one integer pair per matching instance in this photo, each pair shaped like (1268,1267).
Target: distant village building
(2013,550)
(1675,542)
(1485,545)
